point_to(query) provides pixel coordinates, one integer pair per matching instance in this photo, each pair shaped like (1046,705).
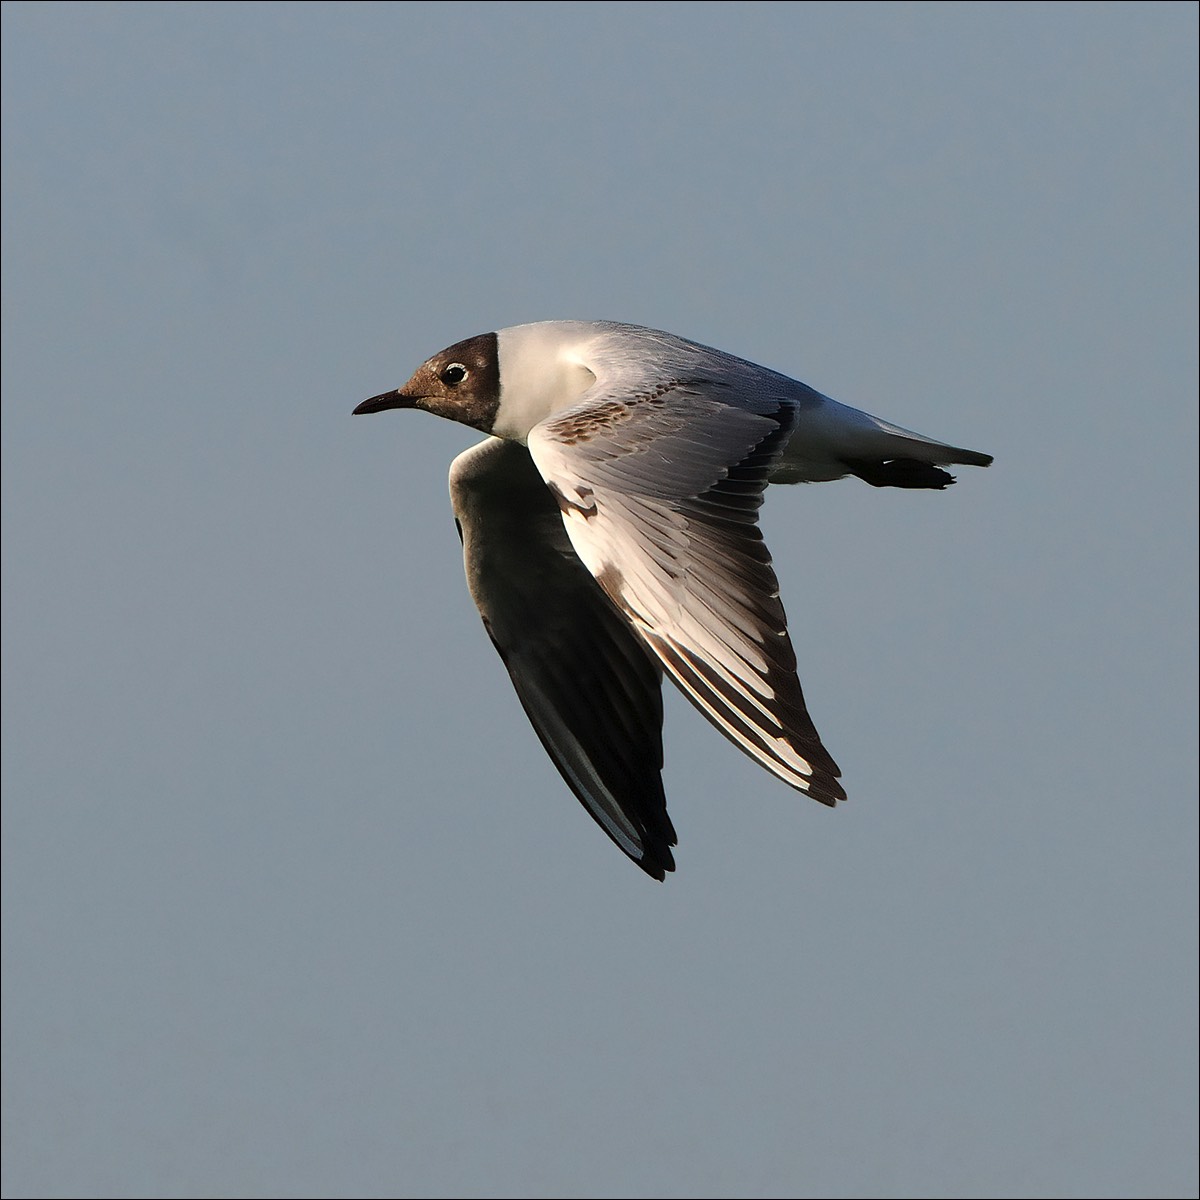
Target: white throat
(542,371)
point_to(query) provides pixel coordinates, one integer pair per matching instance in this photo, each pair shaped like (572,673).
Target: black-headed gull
(609,528)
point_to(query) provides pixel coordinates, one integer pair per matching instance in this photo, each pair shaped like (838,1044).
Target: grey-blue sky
(295,905)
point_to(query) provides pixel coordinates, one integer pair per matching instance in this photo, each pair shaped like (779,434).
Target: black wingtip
(899,473)
(657,864)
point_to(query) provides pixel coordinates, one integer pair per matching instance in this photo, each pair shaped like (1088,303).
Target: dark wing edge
(723,529)
(590,688)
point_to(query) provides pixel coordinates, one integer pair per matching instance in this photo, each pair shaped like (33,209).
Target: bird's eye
(454,374)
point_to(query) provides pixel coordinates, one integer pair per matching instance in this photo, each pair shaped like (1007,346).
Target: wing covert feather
(660,497)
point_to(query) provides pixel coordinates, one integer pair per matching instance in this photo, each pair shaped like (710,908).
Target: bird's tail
(832,440)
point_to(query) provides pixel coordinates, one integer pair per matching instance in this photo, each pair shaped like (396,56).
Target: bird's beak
(397,399)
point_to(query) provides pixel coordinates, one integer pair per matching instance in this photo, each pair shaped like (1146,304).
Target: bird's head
(461,383)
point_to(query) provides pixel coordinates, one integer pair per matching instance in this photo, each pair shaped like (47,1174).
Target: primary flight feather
(610,533)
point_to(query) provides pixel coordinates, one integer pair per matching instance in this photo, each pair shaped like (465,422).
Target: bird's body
(609,525)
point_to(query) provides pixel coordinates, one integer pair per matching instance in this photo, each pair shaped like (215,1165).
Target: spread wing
(591,690)
(660,496)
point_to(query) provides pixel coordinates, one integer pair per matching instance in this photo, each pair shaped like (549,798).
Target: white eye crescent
(453,374)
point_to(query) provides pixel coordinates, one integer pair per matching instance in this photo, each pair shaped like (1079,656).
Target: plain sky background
(296,905)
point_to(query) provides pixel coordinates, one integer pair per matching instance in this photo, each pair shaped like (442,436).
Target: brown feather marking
(568,505)
(572,428)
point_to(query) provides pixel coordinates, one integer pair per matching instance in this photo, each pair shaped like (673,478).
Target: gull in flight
(609,522)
